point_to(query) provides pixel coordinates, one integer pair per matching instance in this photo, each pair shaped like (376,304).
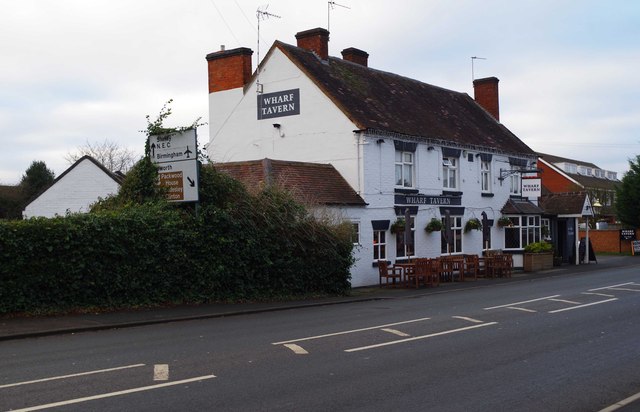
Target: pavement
(21,327)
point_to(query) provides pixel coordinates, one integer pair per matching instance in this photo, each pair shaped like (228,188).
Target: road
(565,343)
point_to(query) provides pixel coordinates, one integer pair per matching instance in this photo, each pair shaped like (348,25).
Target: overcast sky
(77,71)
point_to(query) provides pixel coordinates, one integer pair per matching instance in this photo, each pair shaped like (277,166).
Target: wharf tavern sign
(418,199)
(279,104)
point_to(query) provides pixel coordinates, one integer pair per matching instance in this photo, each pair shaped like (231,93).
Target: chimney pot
(356,56)
(315,40)
(229,69)
(485,93)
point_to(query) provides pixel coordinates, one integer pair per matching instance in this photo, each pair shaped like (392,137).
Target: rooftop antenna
(330,6)
(261,14)
(473,77)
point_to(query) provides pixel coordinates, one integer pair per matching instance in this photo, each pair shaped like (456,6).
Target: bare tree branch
(112,156)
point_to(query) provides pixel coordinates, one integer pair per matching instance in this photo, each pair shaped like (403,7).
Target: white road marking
(71,375)
(112,394)
(396,332)
(298,350)
(622,403)
(468,319)
(625,289)
(599,294)
(349,331)
(522,309)
(612,286)
(446,332)
(524,301)
(161,372)
(583,306)
(566,301)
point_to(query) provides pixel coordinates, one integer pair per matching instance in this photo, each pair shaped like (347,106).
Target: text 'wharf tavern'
(374,147)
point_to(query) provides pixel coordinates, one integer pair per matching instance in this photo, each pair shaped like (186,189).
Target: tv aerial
(330,6)
(473,58)
(261,14)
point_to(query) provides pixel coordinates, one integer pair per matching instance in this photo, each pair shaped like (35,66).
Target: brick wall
(608,240)
(229,69)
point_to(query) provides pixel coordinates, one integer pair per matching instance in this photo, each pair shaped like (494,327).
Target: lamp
(597,206)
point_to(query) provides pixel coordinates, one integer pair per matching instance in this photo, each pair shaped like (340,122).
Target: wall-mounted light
(380,141)
(278,127)
(430,148)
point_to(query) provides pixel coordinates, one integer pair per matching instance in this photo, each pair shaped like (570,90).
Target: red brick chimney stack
(315,40)
(485,93)
(356,56)
(229,69)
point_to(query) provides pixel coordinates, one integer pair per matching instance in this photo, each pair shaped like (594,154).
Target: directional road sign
(173,147)
(176,157)
(181,179)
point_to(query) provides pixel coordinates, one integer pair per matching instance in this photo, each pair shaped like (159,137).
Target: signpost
(176,157)
(628,235)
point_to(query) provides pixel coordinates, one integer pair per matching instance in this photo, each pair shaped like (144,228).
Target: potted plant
(472,224)
(434,225)
(538,256)
(504,222)
(398,225)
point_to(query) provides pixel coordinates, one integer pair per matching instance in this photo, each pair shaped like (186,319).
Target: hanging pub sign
(279,104)
(531,188)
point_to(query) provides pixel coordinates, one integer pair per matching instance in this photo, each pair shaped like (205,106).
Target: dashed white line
(599,294)
(582,306)
(446,332)
(298,350)
(566,301)
(625,289)
(112,394)
(522,309)
(396,332)
(622,403)
(612,286)
(73,375)
(468,319)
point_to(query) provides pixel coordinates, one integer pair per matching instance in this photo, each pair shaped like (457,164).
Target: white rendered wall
(321,133)
(74,192)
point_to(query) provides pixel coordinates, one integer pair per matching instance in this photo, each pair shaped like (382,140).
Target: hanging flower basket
(397,226)
(472,224)
(504,222)
(434,225)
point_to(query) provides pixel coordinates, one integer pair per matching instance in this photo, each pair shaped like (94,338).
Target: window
(545,229)
(485,176)
(404,169)
(456,228)
(402,248)
(449,172)
(379,245)
(355,233)
(524,230)
(514,183)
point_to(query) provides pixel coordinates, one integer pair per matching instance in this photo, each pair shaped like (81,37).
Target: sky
(74,72)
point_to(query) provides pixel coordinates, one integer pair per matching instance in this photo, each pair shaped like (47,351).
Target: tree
(35,179)
(628,195)
(112,156)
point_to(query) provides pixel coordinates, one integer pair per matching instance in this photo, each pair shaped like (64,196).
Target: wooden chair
(389,273)
(471,266)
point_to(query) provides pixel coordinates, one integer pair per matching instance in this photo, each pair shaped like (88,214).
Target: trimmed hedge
(262,248)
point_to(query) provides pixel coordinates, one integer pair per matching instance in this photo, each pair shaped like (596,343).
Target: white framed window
(404,250)
(450,172)
(355,233)
(485,176)
(379,245)
(515,183)
(545,228)
(456,228)
(524,230)
(404,169)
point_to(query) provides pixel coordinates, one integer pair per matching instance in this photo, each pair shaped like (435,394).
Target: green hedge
(146,255)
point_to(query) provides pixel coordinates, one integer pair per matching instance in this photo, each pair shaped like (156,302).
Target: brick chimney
(315,40)
(485,93)
(229,69)
(356,56)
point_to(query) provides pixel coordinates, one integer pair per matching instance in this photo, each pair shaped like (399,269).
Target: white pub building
(405,148)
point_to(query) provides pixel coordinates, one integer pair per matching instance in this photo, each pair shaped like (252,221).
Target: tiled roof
(380,101)
(520,207)
(557,159)
(312,183)
(590,182)
(563,203)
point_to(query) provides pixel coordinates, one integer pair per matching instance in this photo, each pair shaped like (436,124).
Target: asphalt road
(566,343)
